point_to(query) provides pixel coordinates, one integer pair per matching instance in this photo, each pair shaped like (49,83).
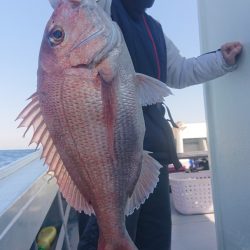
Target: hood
(136,8)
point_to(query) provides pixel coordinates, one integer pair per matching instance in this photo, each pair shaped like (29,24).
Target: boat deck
(189,232)
(193,232)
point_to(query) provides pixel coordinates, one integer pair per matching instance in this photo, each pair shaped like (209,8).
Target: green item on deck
(45,238)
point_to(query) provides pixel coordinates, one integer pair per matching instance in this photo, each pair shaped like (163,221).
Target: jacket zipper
(154,47)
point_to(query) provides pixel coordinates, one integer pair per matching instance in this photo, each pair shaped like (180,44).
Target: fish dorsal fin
(32,116)
(146,183)
(150,90)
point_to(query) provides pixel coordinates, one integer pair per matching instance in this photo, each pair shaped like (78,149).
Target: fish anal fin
(146,183)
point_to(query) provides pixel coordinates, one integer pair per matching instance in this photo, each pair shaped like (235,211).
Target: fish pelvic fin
(32,116)
(146,183)
(150,90)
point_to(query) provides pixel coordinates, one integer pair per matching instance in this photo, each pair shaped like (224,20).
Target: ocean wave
(8,156)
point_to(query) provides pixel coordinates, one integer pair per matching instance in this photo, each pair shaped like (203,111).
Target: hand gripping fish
(87,115)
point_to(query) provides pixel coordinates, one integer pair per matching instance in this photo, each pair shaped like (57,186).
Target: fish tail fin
(118,243)
(146,183)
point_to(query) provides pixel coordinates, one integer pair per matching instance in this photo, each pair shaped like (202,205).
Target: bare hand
(230,51)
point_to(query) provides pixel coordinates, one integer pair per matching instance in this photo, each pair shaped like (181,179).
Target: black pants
(149,227)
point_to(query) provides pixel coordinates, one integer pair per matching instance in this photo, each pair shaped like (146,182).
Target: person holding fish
(98,114)
(154,54)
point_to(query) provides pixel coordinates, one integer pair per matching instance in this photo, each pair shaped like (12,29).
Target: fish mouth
(108,32)
(88,39)
(83,43)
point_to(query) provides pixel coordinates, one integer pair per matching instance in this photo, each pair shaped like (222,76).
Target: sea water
(8,156)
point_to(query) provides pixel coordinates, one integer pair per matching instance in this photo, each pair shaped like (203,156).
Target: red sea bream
(87,115)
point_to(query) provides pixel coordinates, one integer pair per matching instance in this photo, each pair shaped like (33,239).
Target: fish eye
(56,36)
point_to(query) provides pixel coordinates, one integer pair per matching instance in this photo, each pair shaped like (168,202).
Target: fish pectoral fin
(146,183)
(150,90)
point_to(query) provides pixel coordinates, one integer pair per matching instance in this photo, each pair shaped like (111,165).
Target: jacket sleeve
(182,72)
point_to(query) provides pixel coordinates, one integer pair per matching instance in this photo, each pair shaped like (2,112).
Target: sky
(22,25)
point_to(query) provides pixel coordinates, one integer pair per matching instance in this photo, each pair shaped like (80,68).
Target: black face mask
(137,7)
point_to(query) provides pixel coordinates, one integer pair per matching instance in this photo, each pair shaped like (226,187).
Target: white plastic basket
(192,192)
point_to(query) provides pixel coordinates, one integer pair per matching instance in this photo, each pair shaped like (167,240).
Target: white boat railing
(14,166)
(27,194)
